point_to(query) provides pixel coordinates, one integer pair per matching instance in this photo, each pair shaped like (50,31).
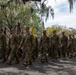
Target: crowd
(27,47)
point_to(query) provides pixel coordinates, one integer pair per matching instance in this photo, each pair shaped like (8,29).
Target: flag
(32,30)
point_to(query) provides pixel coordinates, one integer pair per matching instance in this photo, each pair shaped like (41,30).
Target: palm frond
(47,13)
(71,4)
(52,12)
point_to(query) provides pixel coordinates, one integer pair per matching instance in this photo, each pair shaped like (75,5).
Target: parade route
(66,67)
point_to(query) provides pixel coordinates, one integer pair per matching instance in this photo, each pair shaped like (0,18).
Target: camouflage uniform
(50,51)
(44,45)
(70,46)
(2,45)
(35,51)
(19,38)
(8,47)
(54,46)
(28,45)
(13,42)
(64,44)
(74,46)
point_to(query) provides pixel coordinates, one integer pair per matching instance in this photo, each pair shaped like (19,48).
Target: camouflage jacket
(2,40)
(64,41)
(44,41)
(19,38)
(28,40)
(13,41)
(55,40)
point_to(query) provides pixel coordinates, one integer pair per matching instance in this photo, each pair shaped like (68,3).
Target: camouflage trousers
(3,53)
(13,55)
(54,51)
(64,51)
(71,50)
(44,53)
(27,54)
(35,53)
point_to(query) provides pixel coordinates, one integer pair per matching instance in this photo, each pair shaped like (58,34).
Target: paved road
(67,67)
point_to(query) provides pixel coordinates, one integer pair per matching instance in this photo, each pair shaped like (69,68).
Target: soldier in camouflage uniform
(28,47)
(44,45)
(70,46)
(54,45)
(8,46)
(64,44)
(2,45)
(35,51)
(19,37)
(13,42)
(50,51)
(74,46)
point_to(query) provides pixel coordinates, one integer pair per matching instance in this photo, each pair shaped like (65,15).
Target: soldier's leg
(23,54)
(28,57)
(11,57)
(55,54)
(64,52)
(17,58)
(0,53)
(44,57)
(4,54)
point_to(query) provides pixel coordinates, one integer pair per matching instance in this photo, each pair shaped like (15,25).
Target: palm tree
(71,3)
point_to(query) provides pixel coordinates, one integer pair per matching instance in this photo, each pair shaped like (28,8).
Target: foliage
(60,29)
(16,12)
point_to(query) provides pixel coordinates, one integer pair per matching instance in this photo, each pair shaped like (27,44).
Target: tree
(60,29)
(71,3)
(17,12)
(54,27)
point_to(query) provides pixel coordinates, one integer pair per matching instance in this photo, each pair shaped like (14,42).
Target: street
(66,67)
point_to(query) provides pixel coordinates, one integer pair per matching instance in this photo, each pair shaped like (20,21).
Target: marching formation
(27,47)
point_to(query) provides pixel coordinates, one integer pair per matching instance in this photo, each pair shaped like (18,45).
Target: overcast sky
(62,14)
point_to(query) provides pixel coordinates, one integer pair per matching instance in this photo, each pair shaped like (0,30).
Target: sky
(62,15)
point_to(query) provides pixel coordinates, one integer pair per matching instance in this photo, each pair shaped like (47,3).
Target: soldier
(13,42)
(44,45)
(28,47)
(74,46)
(50,51)
(64,44)
(70,46)
(19,37)
(35,51)
(54,45)
(8,46)
(2,45)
